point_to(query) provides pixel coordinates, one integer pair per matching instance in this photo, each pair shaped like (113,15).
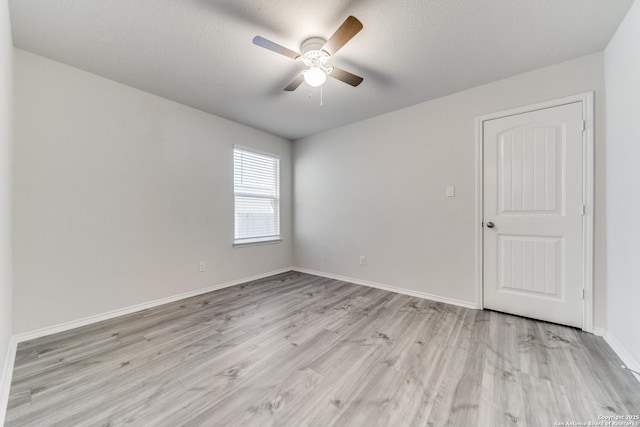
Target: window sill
(256,242)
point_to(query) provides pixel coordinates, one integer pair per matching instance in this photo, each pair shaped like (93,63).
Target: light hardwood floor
(298,350)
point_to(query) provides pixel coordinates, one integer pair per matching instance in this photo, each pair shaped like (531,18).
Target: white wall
(6,89)
(118,194)
(377,187)
(622,74)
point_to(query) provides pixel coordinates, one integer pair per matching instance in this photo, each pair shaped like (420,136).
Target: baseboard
(629,361)
(601,332)
(389,288)
(5,380)
(26,336)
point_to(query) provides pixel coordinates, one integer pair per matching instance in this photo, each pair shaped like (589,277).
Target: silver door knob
(490,224)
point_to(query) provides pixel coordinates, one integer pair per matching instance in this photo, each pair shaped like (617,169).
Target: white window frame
(275,198)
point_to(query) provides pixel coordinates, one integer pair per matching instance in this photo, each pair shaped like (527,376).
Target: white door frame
(587,190)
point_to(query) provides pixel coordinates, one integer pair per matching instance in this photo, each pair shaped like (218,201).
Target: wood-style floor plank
(301,350)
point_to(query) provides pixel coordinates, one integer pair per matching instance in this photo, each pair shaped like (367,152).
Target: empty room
(299,213)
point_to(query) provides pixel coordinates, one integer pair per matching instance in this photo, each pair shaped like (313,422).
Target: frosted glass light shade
(315,76)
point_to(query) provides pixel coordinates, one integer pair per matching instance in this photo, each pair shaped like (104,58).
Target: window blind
(256,187)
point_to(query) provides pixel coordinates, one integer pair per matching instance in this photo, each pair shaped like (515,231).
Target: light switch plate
(451,191)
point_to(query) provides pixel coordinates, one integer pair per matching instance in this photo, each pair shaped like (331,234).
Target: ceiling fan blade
(295,83)
(349,28)
(345,76)
(274,47)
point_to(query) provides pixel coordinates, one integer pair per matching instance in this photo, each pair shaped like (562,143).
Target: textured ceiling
(199,52)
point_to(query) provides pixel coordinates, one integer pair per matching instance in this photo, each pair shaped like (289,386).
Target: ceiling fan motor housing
(311,44)
(313,55)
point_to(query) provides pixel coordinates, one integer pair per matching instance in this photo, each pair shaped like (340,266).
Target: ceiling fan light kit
(315,58)
(315,76)
(316,52)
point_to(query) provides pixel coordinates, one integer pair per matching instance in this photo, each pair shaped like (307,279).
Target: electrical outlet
(451,191)
(363,260)
(203,266)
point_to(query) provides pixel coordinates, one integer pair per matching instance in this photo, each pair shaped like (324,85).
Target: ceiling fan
(315,55)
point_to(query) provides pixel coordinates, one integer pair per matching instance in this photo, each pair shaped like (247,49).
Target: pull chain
(321,96)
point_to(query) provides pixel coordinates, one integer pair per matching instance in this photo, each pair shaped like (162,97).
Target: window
(256,189)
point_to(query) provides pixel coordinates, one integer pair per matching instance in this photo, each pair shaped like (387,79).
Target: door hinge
(584,209)
(584,125)
(583,293)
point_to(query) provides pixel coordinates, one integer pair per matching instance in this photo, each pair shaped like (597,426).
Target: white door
(533,213)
